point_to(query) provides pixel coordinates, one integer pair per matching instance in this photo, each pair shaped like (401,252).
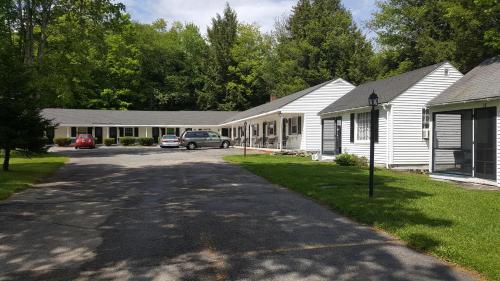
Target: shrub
(126,141)
(346,159)
(109,142)
(62,141)
(145,141)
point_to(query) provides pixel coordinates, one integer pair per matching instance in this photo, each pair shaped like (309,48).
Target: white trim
(128,125)
(252,117)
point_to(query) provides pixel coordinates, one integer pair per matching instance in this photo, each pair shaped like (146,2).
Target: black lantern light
(373,99)
(373,102)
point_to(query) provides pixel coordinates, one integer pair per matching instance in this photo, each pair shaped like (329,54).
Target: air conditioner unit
(425,134)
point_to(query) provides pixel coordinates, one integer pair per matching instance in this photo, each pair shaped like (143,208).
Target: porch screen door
(485,143)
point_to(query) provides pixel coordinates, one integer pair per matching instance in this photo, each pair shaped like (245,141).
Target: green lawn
(26,171)
(458,225)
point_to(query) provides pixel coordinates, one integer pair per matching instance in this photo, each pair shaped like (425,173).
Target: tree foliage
(414,34)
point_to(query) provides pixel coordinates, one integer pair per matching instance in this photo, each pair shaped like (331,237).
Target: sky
(262,12)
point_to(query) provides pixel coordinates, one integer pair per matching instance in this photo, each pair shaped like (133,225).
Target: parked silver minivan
(195,139)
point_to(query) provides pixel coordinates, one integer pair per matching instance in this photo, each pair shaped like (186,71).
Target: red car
(85,140)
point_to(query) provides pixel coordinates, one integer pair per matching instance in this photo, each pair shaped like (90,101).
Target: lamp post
(373,102)
(245,139)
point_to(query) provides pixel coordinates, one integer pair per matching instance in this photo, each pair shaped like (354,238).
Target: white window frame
(356,127)
(125,131)
(426,120)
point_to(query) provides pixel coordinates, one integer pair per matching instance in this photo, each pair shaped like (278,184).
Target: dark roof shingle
(482,82)
(276,104)
(134,117)
(387,89)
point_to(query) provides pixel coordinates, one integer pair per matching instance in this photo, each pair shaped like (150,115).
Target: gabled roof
(482,82)
(276,104)
(135,117)
(386,89)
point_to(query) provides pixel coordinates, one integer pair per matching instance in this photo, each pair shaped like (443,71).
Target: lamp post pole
(245,139)
(373,102)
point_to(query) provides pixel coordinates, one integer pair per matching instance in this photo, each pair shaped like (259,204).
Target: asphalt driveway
(151,214)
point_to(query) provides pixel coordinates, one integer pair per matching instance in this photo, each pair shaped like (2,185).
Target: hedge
(145,141)
(346,159)
(62,141)
(126,141)
(109,142)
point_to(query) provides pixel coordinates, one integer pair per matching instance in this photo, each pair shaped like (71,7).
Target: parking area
(145,213)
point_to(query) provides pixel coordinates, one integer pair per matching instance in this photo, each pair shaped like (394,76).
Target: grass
(24,172)
(458,225)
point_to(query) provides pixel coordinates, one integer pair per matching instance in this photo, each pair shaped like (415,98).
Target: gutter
(350,109)
(251,117)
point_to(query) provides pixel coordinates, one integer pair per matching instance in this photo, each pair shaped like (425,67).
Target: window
(255,130)
(271,128)
(129,132)
(363,126)
(213,135)
(170,131)
(294,125)
(425,118)
(299,125)
(352,128)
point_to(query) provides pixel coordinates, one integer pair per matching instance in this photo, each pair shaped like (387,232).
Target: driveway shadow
(191,221)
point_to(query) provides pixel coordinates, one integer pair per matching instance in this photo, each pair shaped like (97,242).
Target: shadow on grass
(345,189)
(166,222)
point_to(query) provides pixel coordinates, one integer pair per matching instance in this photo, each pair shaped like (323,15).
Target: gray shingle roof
(386,89)
(135,117)
(482,82)
(276,104)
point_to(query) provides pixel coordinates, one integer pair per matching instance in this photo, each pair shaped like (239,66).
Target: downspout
(386,107)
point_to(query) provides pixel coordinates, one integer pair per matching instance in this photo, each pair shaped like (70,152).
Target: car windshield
(169,137)
(85,136)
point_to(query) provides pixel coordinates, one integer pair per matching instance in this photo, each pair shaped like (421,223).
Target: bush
(346,159)
(145,141)
(126,141)
(109,142)
(62,141)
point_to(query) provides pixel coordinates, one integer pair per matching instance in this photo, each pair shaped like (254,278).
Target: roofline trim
(253,116)
(351,109)
(131,125)
(465,101)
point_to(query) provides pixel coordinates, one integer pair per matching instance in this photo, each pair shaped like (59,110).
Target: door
(156,134)
(202,138)
(113,134)
(98,135)
(485,143)
(338,135)
(213,139)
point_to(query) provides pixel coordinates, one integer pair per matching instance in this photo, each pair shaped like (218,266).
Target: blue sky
(262,12)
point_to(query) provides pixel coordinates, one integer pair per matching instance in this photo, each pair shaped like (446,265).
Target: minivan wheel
(225,144)
(191,146)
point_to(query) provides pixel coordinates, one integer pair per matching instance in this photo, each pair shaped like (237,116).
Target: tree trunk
(6,159)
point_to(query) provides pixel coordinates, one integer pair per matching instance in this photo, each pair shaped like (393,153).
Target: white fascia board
(335,113)
(252,117)
(130,125)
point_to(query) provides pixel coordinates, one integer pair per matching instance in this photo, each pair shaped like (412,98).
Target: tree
(221,35)
(319,41)
(21,126)
(249,86)
(414,34)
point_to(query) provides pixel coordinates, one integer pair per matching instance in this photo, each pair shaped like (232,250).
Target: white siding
(408,146)
(498,145)
(363,148)
(310,105)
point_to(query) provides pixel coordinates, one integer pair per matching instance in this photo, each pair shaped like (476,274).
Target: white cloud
(262,12)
